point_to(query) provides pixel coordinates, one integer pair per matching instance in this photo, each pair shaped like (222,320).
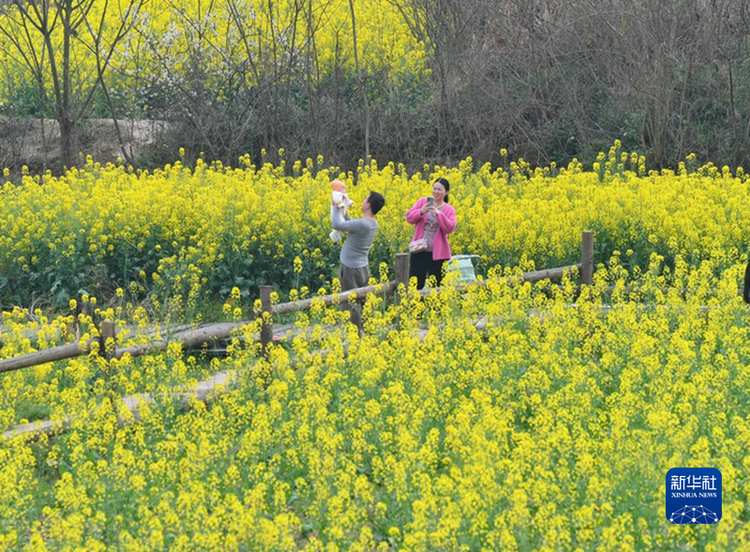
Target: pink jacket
(446,224)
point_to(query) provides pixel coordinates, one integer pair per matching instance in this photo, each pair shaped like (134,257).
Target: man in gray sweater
(355,264)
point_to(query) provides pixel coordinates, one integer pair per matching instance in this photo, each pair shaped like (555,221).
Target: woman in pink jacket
(433,219)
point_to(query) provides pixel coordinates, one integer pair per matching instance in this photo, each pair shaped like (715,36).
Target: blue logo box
(693,495)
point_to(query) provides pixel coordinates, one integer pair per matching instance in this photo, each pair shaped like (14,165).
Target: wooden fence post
(587,257)
(403,260)
(402,269)
(107,331)
(266,329)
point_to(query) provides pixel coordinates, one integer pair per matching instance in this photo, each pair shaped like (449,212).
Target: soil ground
(35,143)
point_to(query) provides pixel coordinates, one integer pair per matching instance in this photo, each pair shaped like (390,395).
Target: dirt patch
(36,144)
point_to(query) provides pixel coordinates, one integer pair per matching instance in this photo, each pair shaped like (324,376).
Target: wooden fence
(221,331)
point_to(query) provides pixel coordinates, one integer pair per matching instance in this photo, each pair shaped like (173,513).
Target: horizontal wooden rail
(535,276)
(204,391)
(336,298)
(220,331)
(52,354)
(549,273)
(188,338)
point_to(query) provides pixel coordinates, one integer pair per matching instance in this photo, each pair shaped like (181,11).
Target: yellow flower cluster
(551,428)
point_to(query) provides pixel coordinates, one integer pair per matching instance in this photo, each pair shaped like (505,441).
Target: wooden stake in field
(587,258)
(402,268)
(107,331)
(266,329)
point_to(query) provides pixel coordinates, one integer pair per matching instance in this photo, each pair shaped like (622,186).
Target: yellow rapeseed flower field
(549,426)
(550,429)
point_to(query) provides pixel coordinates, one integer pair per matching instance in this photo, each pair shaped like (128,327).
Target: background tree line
(547,79)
